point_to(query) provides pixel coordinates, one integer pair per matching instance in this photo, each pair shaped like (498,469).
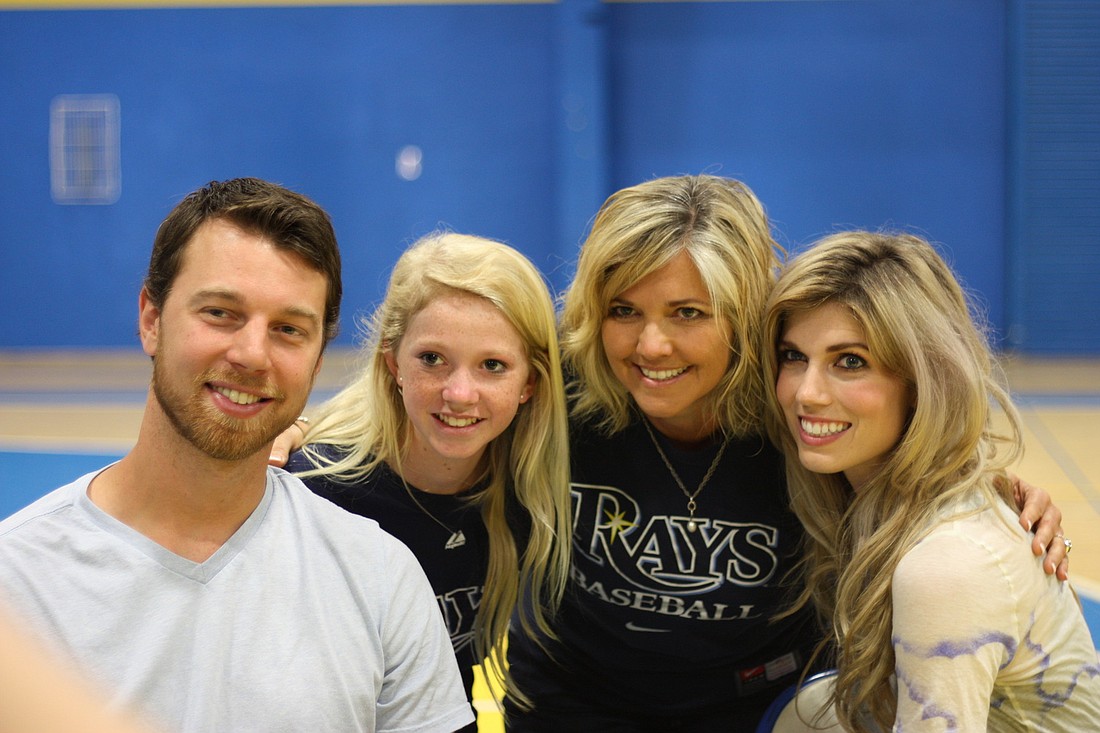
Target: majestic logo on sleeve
(663,567)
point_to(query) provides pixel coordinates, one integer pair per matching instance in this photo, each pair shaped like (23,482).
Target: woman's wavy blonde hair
(529,460)
(638,230)
(920,326)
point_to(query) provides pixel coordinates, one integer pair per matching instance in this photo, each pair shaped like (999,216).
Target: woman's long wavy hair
(920,325)
(529,460)
(638,230)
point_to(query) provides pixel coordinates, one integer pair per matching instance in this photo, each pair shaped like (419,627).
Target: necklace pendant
(692,525)
(455,540)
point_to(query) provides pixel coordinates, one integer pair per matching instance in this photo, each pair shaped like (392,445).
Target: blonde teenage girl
(453,437)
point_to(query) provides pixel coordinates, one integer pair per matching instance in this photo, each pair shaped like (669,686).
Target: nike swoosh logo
(631,626)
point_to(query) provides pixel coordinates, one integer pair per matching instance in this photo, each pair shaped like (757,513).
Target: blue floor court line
(27,476)
(1091,607)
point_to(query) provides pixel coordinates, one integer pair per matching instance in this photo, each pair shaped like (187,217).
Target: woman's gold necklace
(691,506)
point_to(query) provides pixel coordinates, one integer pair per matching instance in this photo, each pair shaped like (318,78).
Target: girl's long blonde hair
(638,230)
(920,326)
(529,460)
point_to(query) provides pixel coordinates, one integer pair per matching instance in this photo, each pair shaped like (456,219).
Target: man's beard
(215,433)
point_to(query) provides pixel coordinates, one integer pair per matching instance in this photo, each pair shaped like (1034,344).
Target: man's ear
(148,323)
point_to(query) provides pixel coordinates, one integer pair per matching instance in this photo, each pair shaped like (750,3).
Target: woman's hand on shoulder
(1039,515)
(286,443)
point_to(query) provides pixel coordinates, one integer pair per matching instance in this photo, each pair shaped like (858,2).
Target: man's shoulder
(316,520)
(319,511)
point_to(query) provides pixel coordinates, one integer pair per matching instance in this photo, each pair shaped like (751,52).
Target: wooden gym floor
(66,413)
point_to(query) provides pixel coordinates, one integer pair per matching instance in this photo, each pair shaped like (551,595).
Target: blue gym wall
(838,113)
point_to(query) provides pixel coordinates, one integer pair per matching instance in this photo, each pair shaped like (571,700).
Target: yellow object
(489,718)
